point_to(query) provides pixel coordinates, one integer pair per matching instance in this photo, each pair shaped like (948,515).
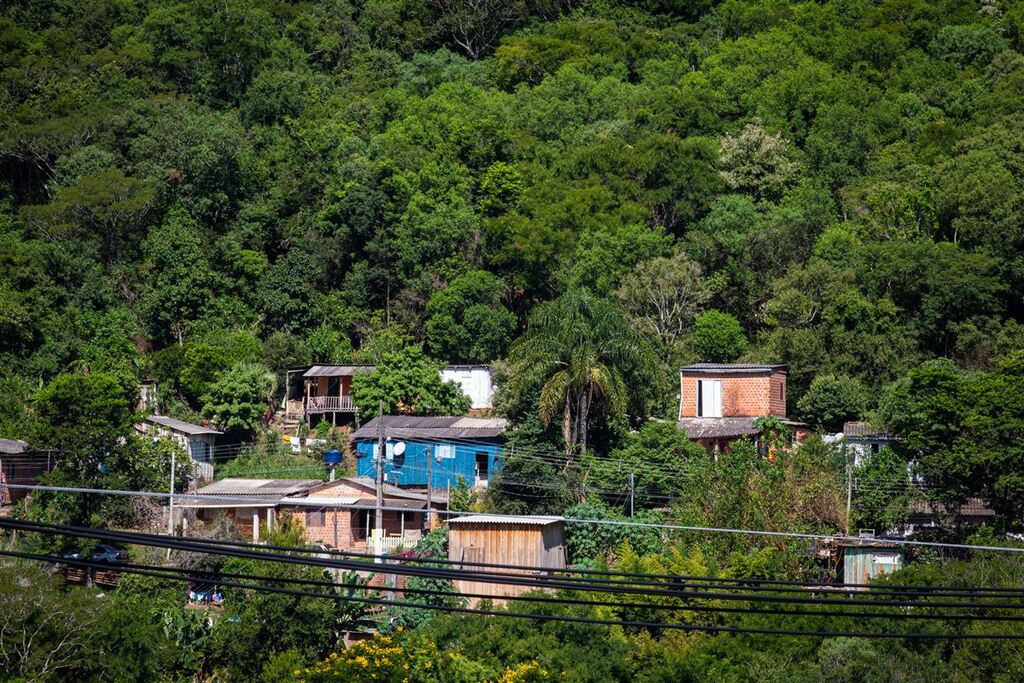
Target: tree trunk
(567,435)
(584,413)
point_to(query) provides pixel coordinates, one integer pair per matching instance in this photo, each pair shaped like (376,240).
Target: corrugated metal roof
(481,423)
(717,427)
(972,507)
(732,367)
(337,370)
(263,488)
(231,502)
(180,425)
(865,430)
(418,427)
(723,427)
(535,520)
(12,446)
(390,490)
(321,500)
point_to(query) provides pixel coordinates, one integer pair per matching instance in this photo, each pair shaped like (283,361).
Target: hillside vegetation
(585,194)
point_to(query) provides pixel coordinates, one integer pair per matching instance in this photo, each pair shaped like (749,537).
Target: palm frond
(553,395)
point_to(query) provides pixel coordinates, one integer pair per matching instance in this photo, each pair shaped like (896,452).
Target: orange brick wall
(743,395)
(325,534)
(346,539)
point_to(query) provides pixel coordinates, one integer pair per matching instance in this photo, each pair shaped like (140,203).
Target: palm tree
(579,348)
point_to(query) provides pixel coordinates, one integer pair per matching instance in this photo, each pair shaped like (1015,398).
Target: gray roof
(337,370)
(865,430)
(180,425)
(264,489)
(12,446)
(723,427)
(717,368)
(389,490)
(454,428)
(534,520)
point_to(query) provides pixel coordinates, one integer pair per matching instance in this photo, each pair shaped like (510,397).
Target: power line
(767,585)
(298,502)
(482,577)
(571,618)
(216,576)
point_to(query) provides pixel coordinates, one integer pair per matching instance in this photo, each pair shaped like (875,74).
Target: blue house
(467,447)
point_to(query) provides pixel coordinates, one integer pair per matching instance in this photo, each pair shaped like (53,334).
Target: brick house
(719,403)
(248,503)
(340,514)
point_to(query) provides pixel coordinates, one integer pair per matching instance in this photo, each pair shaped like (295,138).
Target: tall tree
(580,348)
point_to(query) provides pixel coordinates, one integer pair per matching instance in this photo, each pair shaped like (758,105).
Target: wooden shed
(535,542)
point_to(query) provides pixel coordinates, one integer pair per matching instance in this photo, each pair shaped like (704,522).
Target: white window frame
(709,398)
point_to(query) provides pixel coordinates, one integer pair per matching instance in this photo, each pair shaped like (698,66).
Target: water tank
(332,457)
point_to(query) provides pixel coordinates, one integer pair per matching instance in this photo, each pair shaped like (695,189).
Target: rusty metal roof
(865,430)
(337,370)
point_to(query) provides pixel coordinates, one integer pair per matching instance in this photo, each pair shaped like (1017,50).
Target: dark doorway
(482,468)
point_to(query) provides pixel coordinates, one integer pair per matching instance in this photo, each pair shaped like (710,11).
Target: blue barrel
(332,457)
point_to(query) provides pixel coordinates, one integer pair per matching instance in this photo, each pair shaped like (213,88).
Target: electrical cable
(590,620)
(486,577)
(215,576)
(607,522)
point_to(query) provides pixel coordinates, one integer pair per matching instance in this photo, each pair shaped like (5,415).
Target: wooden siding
(505,543)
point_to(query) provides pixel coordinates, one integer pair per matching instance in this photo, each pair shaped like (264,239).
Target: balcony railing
(393,543)
(330,404)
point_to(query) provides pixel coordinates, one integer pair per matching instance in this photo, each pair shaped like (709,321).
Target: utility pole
(430,486)
(632,491)
(378,522)
(170,501)
(849,486)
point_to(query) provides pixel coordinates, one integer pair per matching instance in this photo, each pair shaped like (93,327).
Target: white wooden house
(197,440)
(476,381)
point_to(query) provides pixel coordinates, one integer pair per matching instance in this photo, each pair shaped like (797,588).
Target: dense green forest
(205,193)
(834,186)
(585,194)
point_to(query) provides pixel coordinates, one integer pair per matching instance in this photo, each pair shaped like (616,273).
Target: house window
(483,470)
(709,398)
(444,450)
(782,391)
(389,450)
(316,518)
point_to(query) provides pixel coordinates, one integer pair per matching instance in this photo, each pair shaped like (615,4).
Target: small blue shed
(866,559)
(469,447)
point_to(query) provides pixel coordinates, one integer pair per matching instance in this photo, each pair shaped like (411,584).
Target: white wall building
(476,382)
(198,441)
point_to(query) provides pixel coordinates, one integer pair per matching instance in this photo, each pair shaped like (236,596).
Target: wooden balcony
(330,404)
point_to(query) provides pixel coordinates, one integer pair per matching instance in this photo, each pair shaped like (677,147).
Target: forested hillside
(834,186)
(584,194)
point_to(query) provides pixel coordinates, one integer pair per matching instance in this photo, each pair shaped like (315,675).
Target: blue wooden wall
(452,459)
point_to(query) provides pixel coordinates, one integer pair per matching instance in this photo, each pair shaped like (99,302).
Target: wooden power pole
(378,522)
